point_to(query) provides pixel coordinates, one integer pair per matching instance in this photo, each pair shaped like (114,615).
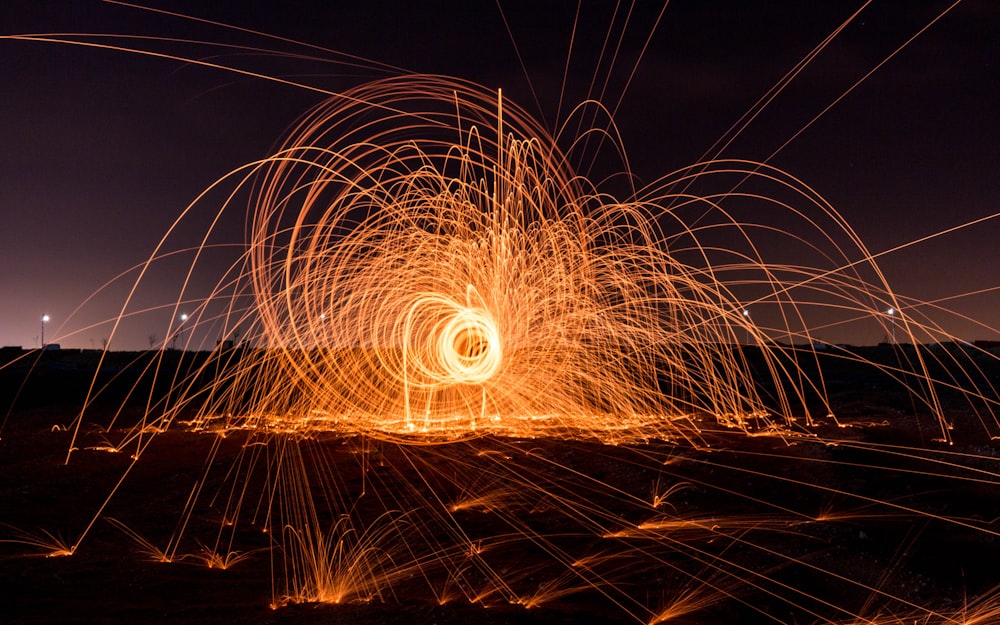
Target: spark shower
(436,311)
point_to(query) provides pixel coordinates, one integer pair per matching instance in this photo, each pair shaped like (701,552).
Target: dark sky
(102,149)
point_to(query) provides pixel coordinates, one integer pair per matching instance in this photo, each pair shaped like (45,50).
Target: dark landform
(917,515)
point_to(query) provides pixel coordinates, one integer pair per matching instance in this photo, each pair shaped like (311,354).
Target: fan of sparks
(425,265)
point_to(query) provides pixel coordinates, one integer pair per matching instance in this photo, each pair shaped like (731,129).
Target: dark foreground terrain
(863,516)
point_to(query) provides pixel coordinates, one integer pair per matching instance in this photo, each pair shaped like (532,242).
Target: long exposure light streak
(443,350)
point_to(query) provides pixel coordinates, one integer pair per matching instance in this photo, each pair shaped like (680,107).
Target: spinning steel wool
(448,364)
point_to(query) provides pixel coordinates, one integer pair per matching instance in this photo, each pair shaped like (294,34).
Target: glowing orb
(466,350)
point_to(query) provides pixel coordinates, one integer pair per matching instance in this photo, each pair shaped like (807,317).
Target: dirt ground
(837,523)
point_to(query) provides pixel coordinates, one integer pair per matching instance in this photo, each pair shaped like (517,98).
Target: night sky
(102,149)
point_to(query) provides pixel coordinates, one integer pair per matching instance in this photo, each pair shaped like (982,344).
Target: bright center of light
(468,347)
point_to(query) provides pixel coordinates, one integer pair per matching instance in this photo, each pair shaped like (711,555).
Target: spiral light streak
(406,284)
(414,287)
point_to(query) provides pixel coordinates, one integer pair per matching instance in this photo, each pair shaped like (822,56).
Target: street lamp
(746,315)
(892,322)
(180,329)
(45,319)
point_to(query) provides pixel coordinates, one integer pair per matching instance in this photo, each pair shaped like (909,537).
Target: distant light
(184,317)
(746,312)
(41,337)
(322,316)
(891,311)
